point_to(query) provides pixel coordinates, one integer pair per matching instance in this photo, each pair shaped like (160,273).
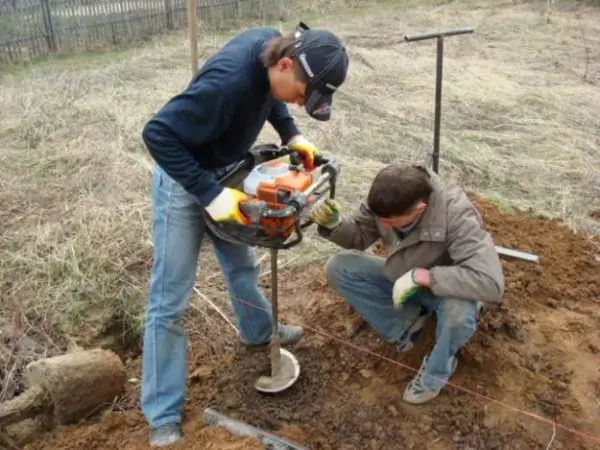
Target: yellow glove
(404,288)
(307,150)
(225,206)
(327,214)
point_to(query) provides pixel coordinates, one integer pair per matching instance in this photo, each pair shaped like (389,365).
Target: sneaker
(165,435)
(410,338)
(288,335)
(416,393)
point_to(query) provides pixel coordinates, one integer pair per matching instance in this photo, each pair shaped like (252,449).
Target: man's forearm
(348,235)
(463,283)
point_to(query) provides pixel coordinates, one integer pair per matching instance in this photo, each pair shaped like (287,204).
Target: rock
(534,366)
(424,426)
(492,444)
(393,410)
(552,303)
(367,373)
(486,342)
(230,400)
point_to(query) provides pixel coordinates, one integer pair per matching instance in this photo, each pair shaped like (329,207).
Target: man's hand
(307,150)
(327,214)
(408,284)
(225,207)
(422,277)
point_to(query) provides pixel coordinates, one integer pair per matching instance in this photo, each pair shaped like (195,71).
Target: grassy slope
(520,125)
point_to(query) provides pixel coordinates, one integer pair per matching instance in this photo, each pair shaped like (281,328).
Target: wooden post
(192,35)
(48,28)
(169,10)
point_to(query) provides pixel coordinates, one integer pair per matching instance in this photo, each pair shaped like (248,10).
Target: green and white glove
(404,288)
(327,214)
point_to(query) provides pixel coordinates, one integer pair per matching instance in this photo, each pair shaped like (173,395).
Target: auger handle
(296,159)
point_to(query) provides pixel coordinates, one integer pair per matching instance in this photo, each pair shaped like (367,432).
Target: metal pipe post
(435,156)
(439,35)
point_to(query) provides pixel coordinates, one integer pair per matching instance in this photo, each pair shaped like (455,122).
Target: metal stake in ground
(285,368)
(435,155)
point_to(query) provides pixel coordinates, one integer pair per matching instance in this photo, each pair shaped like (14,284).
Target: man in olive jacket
(439,260)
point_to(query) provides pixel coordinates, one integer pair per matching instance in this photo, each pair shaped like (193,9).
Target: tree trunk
(79,383)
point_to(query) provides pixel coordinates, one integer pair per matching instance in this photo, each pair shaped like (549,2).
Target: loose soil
(538,352)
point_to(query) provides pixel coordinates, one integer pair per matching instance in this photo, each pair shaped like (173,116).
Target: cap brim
(318,105)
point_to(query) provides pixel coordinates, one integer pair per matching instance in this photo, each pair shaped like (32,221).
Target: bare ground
(520,126)
(527,379)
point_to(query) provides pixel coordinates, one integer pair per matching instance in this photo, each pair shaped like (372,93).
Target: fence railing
(30,29)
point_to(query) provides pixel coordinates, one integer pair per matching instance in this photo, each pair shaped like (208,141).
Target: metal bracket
(268,440)
(517,254)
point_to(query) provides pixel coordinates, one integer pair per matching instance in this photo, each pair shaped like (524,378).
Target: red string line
(456,386)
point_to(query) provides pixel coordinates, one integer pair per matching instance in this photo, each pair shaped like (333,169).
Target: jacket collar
(434,217)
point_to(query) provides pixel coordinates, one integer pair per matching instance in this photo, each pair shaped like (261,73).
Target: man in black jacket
(199,132)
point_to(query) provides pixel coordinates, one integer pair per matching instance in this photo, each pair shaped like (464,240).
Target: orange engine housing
(270,191)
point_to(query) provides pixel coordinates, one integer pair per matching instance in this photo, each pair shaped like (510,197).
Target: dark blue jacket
(218,117)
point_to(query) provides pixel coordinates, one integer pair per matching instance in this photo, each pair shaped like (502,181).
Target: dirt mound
(537,353)
(114,430)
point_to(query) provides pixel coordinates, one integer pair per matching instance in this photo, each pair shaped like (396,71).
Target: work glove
(225,206)
(327,214)
(307,150)
(404,288)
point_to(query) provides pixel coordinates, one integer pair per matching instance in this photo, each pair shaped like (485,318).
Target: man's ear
(285,64)
(421,205)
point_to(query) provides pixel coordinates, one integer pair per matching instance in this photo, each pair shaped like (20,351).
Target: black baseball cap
(324,60)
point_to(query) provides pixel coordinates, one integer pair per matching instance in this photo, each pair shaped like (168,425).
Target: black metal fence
(30,29)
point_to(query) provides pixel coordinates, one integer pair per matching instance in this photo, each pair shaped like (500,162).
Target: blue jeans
(177,232)
(359,279)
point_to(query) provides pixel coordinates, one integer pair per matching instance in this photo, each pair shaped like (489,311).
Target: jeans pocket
(167,191)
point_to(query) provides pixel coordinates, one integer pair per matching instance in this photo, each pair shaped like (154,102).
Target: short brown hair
(281,47)
(397,188)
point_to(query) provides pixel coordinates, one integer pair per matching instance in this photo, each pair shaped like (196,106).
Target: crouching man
(439,260)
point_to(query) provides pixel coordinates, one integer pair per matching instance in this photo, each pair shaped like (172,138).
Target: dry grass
(520,124)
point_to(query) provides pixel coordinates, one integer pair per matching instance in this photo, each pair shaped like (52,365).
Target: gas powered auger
(281,193)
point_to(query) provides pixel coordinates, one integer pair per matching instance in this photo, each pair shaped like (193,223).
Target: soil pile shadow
(537,352)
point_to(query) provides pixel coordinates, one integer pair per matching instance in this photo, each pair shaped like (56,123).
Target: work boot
(416,393)
(165,435)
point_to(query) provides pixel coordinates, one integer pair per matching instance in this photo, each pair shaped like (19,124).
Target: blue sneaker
(165,435)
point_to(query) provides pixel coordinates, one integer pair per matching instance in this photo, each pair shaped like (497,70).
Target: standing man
(439,258)
(194,138)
